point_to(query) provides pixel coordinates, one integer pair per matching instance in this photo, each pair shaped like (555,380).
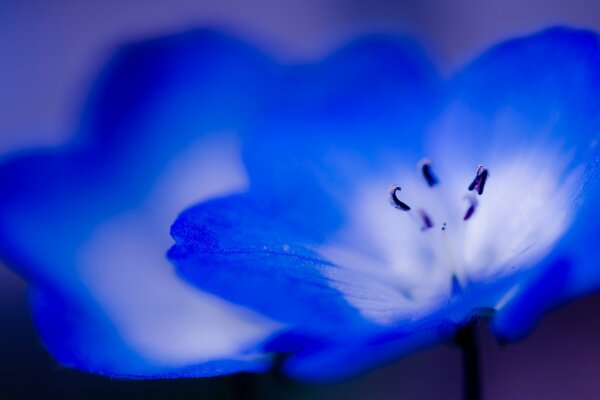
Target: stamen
(472,206)
(478,183)
(427,222)
(428,174)
(395,201)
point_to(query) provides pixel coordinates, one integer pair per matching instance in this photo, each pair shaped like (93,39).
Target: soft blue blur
(376,95)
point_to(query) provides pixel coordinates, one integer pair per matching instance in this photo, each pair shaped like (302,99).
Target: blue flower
(386,210)
(87,224)
(299,245)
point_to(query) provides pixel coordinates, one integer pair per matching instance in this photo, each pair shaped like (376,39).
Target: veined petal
(570,270)
(237,248)
(528,110)
(88,225)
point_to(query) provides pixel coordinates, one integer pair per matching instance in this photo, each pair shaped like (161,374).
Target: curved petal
(82,336)
(350,117)
(338,321)
(87,225)
(528,110)
(335,363)
(533,93)
(318,363)
(571,270)
(237,248)
(531,298)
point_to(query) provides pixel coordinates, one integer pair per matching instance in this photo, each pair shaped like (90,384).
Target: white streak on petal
(524,211)
(506,297)
(124,265)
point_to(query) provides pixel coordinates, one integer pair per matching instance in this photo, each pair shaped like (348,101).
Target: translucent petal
(237,248)
(88,224)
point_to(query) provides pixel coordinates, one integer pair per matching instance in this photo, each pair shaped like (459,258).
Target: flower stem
(466,339)
(246,386)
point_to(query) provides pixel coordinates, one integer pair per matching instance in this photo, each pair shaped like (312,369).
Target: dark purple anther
(396,202)
(471,209)
(478,183)
(428,174)
(427,222)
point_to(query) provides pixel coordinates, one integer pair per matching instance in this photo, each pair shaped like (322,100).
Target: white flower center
(447,229)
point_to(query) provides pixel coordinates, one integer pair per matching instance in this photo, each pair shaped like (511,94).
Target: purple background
(52,49)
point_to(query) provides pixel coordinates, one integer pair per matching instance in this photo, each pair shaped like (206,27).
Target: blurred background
(51,52)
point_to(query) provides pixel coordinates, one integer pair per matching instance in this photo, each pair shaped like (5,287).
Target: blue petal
(330,125)
(87,225)
(82,337)
(153,100)
(532,297)
(238,248)
(570,271)
(532,92)
(318,363)
(335,363)
(535,94)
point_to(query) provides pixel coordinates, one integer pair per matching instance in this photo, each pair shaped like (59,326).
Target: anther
(428,174)
(395,201)
(472,206)
(427,222)
(478,183)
